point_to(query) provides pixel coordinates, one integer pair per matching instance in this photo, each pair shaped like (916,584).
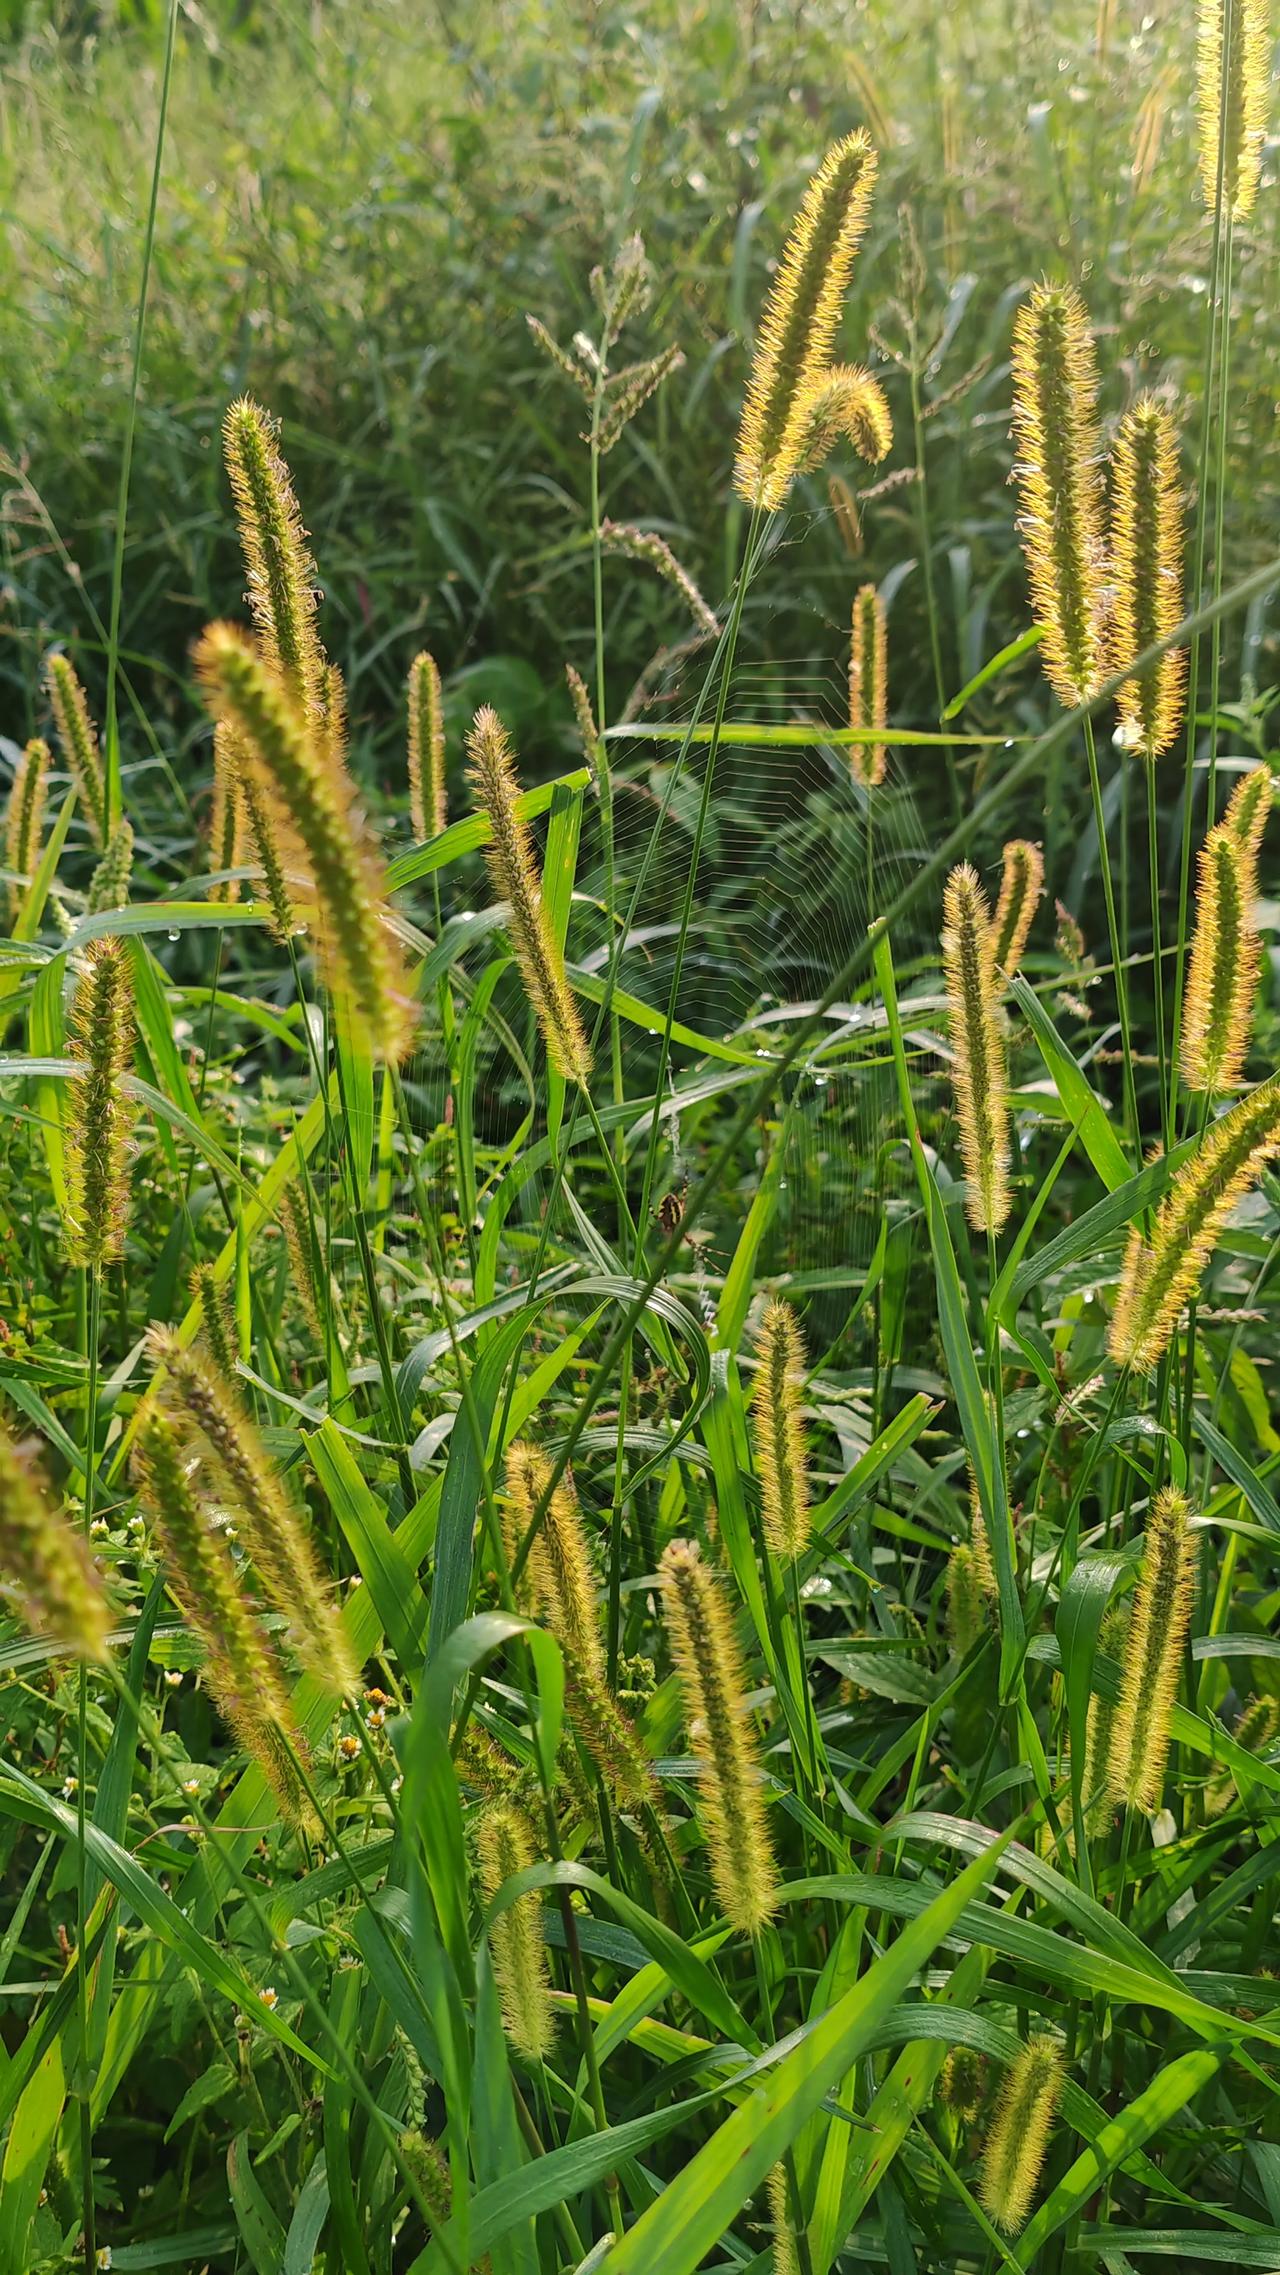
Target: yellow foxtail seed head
(868,684)
(109,884)
(331,727)
(1146,568)
(778,1431)
(1153,1650)
(798,327)
(260,814)
(1254,1731)
(212,1420)
(99,1115)
(1248,67)
(1020,2131)
(528,1474)
(644,545)
(428,798)
(281,572)
(1248,807)
(1021,885)
(79,741)
(713,1688)
(310,797)
(846,401)
(1159,1276)
(300,1240)
(978,1070)
(584,716)
(47,1571)
(513,870)
(1095,1787)
(217,1317)
(1055,386)
(505,1846)
(786,2251)
(559,1584)
(608,1735)
(966,1612)
(962,2083)
(1222,975)
(226,829)
(243,1672)
(981,1546)
(24,818)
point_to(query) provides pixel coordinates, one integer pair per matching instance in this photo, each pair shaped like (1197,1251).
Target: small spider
(670,1210)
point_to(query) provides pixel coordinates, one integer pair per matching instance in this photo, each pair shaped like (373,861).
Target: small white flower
(269,1997)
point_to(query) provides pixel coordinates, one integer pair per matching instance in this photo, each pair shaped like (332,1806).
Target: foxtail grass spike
(505,1846)
(1158,1627)
(311,799)
(513,869)
(261,817)
(978,1073)
(868,684)
(243,1672)
(844,401)
(331,729)
(643,545)
(798,328)
(1159,1276)
(281,572)
(217,1318)
(1055,386)
(627,392)
(1021,885)
(300,1241)
(45,1568)
(779,1438)
(109,884)
(561,1583)
(713,1688)
(623,290)
(966,1610)
(584,716)
(1146,570)
(1222,972)
(1095,1786)
(226,830)
(24,818)
(1237,154)
(214,1421)
(428,800)
(1248,807)
(786,2254)
(1020,2130)
(99,1115)
(1255,1729)
(78,739)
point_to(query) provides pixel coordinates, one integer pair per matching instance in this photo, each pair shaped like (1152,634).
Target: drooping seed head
(1248,807)
(1019,2135)
(978,1073)
(584,716)
(844,401)
(24,819)
(778,1434)
(45,1568)
(1147,552)
(281,573)
(505,1846)
(798,327)
(1152,1664)
(1222,974)
(645,545)
(1254,1732)
(100,1115)
(78,740)
(428,797)
(1160,1275)
(1055,386)
(1021,885)
(713,1688)
(513,869)
(1232,144)
(311,801)
(868,684)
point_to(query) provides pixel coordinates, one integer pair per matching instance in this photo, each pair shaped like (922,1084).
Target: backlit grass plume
(98,1112)
(78,739)
(226,828)
(1021,885)
(713,1688)
(645,545)
(1222,972)
(1020,2129)
(428,800)
(1160,1276)
(798,327)
(978,1074)
(1146,571)
(1238,152)
(45,1568)
(584,716)
(505,1845)
(24,818)
(1248,807)
(778,1434)
(1095,1785)
(311,802)
(281,573)
(1055,386)
(242,1670)
(213,1421)
(1153,1650)
(109,884)
(513,869)
(842,401)
(868,683)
